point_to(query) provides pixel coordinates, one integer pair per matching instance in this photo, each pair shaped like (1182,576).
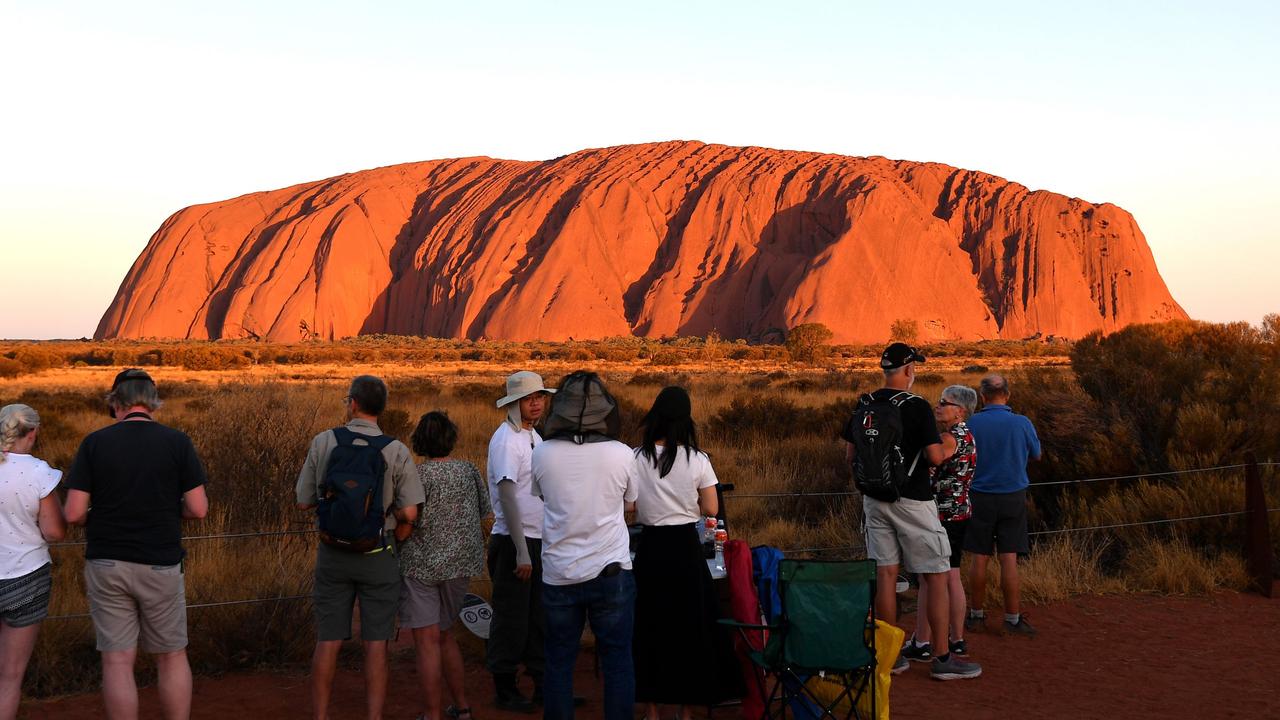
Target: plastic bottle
(708,537)
(721,536)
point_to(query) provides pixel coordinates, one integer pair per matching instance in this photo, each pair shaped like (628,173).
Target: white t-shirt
(510,452)
(671,500)
(584,488)
(24,482)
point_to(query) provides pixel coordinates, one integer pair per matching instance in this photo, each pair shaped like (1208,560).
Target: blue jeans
(609,603)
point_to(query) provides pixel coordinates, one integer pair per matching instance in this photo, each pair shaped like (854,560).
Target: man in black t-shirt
(907,531)
(142,479)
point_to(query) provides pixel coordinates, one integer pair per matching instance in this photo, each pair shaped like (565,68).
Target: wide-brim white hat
(523,384)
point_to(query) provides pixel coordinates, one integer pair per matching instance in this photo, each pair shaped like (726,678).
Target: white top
(671,500)
(24,482)
(510,452)
(584,487)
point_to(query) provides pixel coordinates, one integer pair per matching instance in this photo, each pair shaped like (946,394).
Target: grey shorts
(137,606)
(906,533)
(424,604)
(342,578)
(24,600)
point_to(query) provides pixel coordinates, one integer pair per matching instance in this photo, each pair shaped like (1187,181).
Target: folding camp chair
(824,628)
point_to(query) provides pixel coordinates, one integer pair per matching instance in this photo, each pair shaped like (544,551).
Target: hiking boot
(954,669)
(974,623)
(916,652)
(507,696)
(901,665)
(1022,627)
(958,647)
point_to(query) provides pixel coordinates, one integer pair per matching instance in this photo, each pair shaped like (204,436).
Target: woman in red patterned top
(951,491)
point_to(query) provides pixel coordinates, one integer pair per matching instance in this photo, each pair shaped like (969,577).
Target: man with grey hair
(355,559)
(892,442)
(1005,442)
(142,479)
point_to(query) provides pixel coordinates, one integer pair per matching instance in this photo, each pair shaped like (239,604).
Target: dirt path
(1130,657)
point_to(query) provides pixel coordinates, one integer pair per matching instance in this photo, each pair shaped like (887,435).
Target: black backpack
(350,507)
(879,469)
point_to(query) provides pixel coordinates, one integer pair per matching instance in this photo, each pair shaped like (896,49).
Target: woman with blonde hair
(30,518)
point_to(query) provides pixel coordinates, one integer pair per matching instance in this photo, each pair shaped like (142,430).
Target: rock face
(675,238)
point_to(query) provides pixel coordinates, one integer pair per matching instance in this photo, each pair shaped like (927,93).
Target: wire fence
(853,547)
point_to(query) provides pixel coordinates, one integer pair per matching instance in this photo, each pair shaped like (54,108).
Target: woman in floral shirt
(439,558)
(951,490)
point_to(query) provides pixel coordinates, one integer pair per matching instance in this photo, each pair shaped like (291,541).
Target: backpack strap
(900,398)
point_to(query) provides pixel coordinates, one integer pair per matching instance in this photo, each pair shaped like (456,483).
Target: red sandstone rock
(661,239)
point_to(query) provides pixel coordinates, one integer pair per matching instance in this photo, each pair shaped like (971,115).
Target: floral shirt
(447,541)
(951,479)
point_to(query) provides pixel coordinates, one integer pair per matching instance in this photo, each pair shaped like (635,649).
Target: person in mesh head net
(583,475)
(142,479)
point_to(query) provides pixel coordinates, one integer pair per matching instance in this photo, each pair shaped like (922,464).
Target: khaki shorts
(907,533)
(133,605)
(424,604)
(342,578)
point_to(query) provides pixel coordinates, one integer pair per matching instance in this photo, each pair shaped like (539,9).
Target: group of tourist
(559,555)
(404,540)
(963,489)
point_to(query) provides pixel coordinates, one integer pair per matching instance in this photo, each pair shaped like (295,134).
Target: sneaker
(958,647)
(1022,627)
(901,665)
(921,652)
(975,623)
(954,669)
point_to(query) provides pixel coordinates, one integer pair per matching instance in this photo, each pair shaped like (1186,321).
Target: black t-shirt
(918,431)
(135,473)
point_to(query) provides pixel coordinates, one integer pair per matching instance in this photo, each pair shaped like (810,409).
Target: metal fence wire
(853,547)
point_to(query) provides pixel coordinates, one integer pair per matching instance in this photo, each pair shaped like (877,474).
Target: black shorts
(998,524)
(955,534)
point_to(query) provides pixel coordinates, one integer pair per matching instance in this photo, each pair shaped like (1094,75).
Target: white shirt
(510,453)
(584,488)
(24,482)
(671,500)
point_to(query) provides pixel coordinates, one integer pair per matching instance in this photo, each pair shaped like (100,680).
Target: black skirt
(682,656)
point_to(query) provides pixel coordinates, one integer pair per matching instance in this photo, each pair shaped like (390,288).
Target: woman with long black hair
(682,657)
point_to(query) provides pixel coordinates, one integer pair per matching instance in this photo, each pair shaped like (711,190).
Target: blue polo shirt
(1005,442)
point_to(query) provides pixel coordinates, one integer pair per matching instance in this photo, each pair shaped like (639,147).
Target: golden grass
(252,425)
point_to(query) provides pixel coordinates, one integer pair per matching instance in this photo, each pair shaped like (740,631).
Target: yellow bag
(888,643)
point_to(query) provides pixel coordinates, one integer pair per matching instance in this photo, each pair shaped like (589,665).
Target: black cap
(899,354)
(131,374)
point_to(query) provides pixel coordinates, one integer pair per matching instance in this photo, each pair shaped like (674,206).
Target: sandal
(458,713)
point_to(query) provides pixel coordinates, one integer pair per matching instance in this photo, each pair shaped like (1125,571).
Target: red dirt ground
(1120,657)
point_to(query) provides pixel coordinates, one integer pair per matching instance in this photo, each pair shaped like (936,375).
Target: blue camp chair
(825,627)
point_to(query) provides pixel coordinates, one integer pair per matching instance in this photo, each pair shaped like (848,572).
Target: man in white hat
(515,550)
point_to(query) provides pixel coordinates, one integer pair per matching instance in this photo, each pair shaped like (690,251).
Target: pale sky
(115,115)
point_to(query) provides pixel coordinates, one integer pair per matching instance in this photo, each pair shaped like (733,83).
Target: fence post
(1257,545)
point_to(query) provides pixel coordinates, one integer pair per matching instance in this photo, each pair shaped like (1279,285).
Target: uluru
(661,239)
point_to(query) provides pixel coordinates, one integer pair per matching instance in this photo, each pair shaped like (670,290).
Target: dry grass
(770,428)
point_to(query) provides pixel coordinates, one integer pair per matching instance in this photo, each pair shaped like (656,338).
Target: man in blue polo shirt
(998,494)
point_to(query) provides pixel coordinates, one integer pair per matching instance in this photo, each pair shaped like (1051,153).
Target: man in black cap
(143,479)
(892,442)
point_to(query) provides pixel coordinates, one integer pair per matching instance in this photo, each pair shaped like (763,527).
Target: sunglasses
(948,403)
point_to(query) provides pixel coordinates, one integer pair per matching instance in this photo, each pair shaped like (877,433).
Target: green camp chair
(825,627)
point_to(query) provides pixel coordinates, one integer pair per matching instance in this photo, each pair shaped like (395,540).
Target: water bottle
(721,536)
(708,537)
